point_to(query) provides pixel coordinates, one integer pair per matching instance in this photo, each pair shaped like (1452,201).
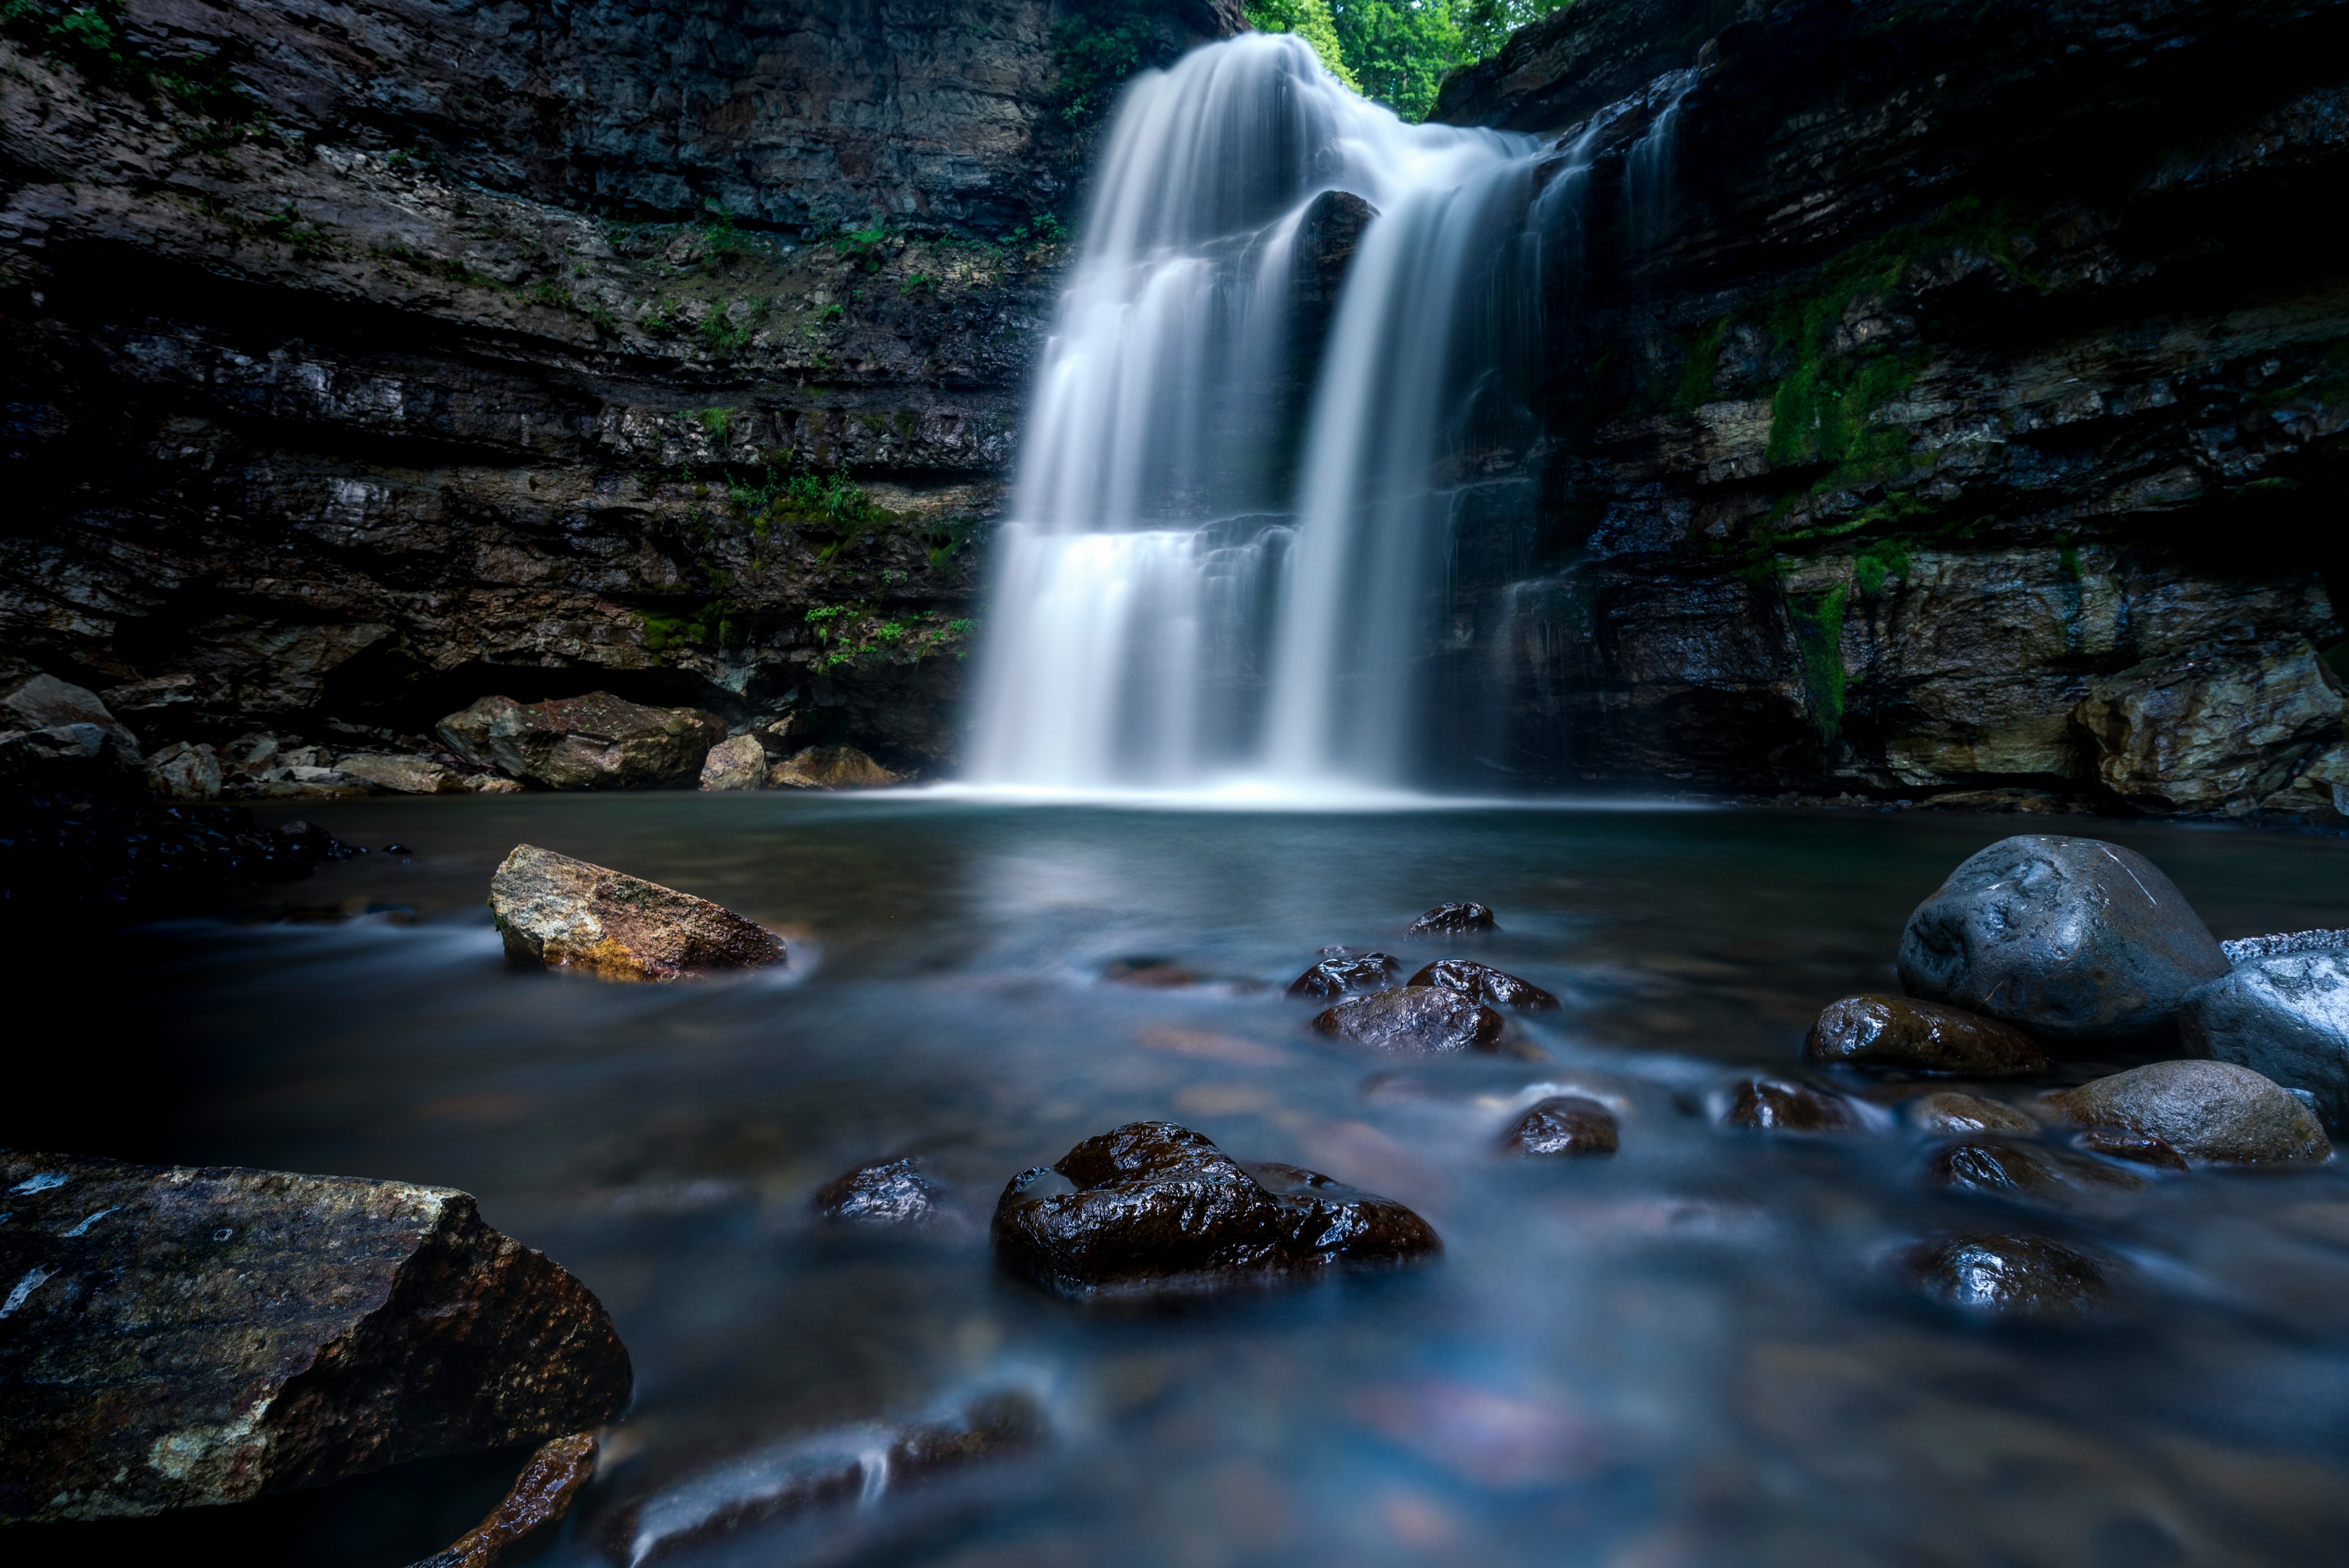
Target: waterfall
(1212,573)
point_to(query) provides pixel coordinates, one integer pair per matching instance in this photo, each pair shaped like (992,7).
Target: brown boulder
(2205,1110)
(1485,984)
(574,914)
(1417,1020)
(2010,1276)
(1926,1036)
(1563,1124)
(831,768)
(2004,1170)
(736,764)
(1946,1110)
(535,1504)
(1773,1105)
(595,742)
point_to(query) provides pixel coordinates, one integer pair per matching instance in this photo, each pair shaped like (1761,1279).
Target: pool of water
(1696,1352)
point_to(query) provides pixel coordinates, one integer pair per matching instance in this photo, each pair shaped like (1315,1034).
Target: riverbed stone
(1341,970)
(2141,1148)
(595,742)
(740,763)
(831,768)
(1947,1110)
(549,1483)
(1155,1206)
(1564,1124)
(1773,1105)
(171,1337)
(2009,1171)
(883,1193)
(2283,1014)
(1453,919)
(184,772)
(2214,1111)
(2010,1276)
(1924,1037)
(1487,984)
(2243,949)
(2072,939)
(401,773)
(1414,1020)
(568,914)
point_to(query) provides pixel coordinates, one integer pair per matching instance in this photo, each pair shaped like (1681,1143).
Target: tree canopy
(1398,51)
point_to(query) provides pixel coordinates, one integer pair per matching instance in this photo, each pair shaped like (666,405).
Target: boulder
(1152,1206)
(1453,919)
(740,763)
(1774,1106)
(1341,970)
(1563,1124)
(178,1337)
(2211,728)
(532,1507)
(2004,1170)
(55,735)
(400,773)
(2073,939)
(1414,1020)
(883,1193)
(184,772)
(1486,984)
(2113,1144)
(2319,792)
(574,914)
(2010,1276)
(595,742)
(2208,1110)
(2242,949)
(2285,1016)
(1947,1110)
(831,768)
(1925,1036)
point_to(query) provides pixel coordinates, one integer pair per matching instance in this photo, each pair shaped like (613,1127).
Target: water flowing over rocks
(1947,1110)
(179,1337)
(595,742)
(1341,970)
(1899,1032)
(1414,1020)
(2213,1111)
(1453,919)
(2009,1170)
(2072,939)
(2010,1276)
(534,1505)
(1563,1124)
(885,1192)
(2283,1014)
(1484,983)
(566,914)
(1772,1105)
(1155,1206)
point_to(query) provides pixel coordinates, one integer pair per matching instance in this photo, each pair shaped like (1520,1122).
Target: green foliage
(832,499)
(914,282)
(864,247)
(1095,46)
(850,633)
(284,227)
(1696,374)
(1818,634)
(715,420)
(1310,20)
(1882,559)
(1042,229)
(722,333)
(90,37)
(1398,52)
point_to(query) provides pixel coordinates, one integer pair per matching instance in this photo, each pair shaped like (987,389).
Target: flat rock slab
(2283,1014)
(1482,983)
(595,742)
(574,914)
(1414,1020)
(1924,1037)
(174,1336)
(2073,939)
(2205,1110)
(1152,1206)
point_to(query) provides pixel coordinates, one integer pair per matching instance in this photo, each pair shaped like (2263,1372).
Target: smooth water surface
(1694,1353)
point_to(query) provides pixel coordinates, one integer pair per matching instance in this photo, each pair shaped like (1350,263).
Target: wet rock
(178,1337)
(831,768)
(2206,1110)
(2010,1276)
(1341,970)
(574,914)
(1927,1036)
(184,772)
(1150,974)
(400,773)
(740,763)
(1453,919)
(2284,1015)
(1155,1206)
(2073,939)
(1486,984)
(534,1505)
(2243,949)
(1563,1124)
(55,735)
(1417,1020)
(883,1193)
(1776,1106)
(2115,1144)
(595,742)
(2211,728)
(1947,1110)
(2004,1170)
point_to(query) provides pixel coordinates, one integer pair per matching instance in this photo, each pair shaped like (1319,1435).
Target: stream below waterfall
(1695,1352)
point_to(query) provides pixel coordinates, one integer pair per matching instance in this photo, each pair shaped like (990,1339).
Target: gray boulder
(2074,939)
(2205,1110)
(54,734)
(2243,949)
(2286,1016)
(595,742)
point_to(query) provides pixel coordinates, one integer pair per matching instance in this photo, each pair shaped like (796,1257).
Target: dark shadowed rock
(2283,1014)
(2206,1110)
(1776,1106)
(574,914)
(1155,1206)
(2017,1276)
(178,1337)
(595,742)
(2004,1170)
(1453,919)
(1946,1110)
(1487,984)
(1563,1124)
(532,1507)
(2074,939)
(885,1192)
(1925,1036)
(2243,949)
(1416,1020)
(55,735)
(2113,1144)
(1343,969)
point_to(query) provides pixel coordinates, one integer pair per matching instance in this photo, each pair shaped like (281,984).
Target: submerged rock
(2283,1014)
(178,1337)
(1563,1124)
(1487,984)
(1946,1110)
(2074,939)
(1149,973)
(574,914)
(1416,1020)
(2010,1276)
(2004,1170)
(2206,1110)
(535,1504)
(1452,920)
(1773,1105)
(740,763)
(2113,1144)
(831,768)
(595,742)
(883,1193)
(1926,1036)
(1344,969)
(1155,1206)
